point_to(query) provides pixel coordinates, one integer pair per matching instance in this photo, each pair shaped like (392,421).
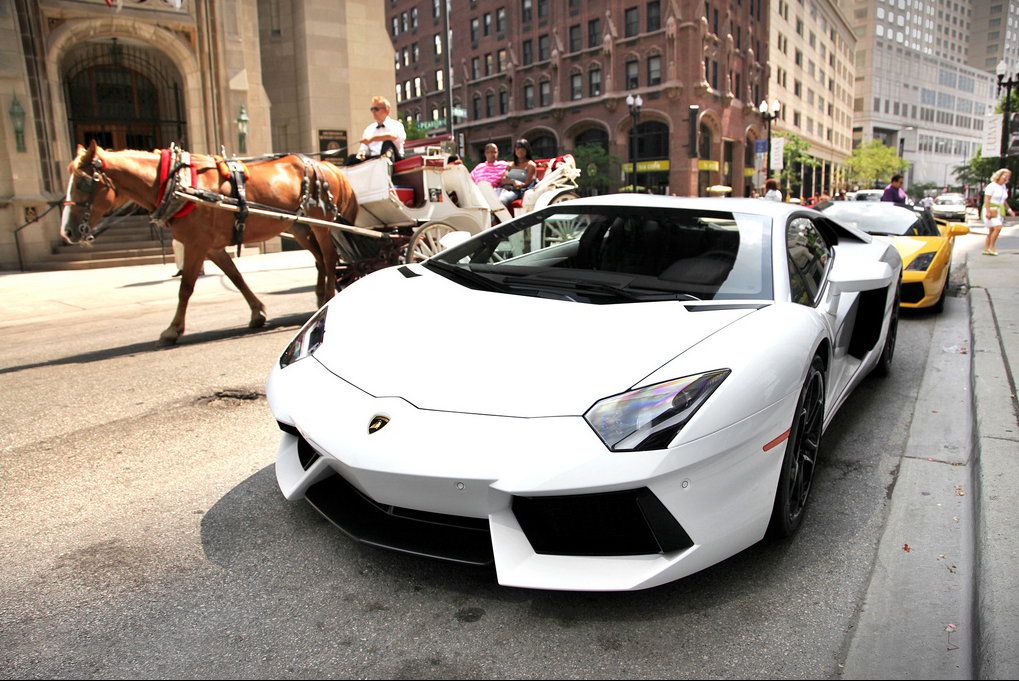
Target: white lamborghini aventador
(608,394)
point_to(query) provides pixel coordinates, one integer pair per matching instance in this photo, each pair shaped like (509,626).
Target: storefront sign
(332,140)
(704,164)
(648,166)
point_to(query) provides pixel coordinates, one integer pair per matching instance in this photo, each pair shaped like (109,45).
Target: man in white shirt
(385,134)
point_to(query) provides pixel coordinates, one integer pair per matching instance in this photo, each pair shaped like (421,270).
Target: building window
(438,44)
(475,68)
(501,59)
(413,17)
(396,26)
(489,64)
(654,70)
(438,80)
(414,53)
(543,51)
(594,83)
(487,23)
(545,93)
(525,10)
(631,22)
(543,9)
(500,20)
(576,43)
(576,86)
(489,105)
(503,102)
(529,96)
(417,86)
(654,16)
(632,75)
(436,8)
(477,107)
(475,29)
(399,92)
(528,52)
(593,32)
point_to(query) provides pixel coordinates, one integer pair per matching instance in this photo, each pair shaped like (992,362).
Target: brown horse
(103,180)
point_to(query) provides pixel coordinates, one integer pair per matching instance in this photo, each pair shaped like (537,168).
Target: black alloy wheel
(802,450)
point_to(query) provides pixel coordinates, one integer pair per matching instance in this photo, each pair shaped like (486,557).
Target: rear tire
(884,365)
(801,452)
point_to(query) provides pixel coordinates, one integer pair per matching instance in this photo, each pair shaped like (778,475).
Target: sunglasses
(378,108)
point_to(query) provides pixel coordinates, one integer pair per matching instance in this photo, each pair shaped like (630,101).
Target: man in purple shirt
(490,170)
(893,192)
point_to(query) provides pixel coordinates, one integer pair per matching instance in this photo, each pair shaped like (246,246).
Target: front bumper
(542,498)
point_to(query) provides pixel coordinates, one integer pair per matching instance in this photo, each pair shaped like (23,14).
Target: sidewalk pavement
(32,297)
(994,324)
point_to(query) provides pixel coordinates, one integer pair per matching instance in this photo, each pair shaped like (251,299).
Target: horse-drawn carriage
(374,215)
(420,200)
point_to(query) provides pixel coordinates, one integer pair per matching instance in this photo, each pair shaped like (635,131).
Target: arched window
(704,142)
(592,136)
(652,140)
(544,147)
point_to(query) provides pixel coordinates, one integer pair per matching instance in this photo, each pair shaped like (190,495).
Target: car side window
(809,253)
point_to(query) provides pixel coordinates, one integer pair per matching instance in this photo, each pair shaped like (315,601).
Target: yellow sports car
(924,244)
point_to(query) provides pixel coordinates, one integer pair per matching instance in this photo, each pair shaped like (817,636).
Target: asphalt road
(142,533)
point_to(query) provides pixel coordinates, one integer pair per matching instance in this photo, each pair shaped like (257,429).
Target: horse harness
(175,184)
(87,185)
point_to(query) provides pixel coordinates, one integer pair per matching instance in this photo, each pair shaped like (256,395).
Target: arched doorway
(124,96)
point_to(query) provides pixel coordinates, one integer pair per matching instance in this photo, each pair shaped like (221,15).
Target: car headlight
(649,418)
(921,262)
(307,339)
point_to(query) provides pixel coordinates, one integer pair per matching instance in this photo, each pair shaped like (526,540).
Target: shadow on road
(291,320)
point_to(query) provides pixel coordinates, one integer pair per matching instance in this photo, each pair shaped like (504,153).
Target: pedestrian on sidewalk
(996,207)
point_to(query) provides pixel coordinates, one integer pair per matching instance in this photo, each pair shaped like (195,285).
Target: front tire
(884,365)
(802,449)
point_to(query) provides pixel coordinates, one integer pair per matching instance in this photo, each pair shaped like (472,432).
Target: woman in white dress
(995,207)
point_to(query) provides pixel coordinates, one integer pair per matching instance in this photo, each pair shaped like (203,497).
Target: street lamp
(17,115)
(769,114)
(242,131)
(1012,81)
(634,103)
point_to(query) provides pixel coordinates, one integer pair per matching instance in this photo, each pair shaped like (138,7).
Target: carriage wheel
(555,233)
(564,196)
(425,242)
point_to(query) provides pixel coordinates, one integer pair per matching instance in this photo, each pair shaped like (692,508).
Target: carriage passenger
(491,169)
(519,176)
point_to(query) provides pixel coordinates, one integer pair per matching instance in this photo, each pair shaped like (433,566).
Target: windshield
(949,201)
(877,218)
(604,254)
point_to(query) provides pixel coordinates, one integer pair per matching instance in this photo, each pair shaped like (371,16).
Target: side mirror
(957,229)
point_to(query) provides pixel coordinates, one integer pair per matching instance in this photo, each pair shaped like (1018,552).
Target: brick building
(559,73)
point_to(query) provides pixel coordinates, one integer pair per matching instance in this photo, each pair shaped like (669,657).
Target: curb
(995,479)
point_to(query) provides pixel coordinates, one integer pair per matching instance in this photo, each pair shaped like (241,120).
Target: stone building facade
(147,74)
(559,73)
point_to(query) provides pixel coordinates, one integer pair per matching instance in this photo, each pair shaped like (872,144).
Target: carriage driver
(384,135)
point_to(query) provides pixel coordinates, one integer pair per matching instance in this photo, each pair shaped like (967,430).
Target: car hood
(410,333)
(911,246)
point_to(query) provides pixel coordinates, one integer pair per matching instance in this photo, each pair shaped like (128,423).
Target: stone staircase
(132,241)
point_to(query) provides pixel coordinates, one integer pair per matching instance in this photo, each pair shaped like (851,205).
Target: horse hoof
(167,338)
(257,322)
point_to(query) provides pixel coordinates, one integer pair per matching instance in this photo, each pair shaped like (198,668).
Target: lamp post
(634,103)
(769,113)
(17,115)
(1002,70)
(242,131)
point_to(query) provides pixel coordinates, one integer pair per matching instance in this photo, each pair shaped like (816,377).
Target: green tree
(597,168)
(794,158)
(413,131)
(977,171)
(873,164)
(918,191)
